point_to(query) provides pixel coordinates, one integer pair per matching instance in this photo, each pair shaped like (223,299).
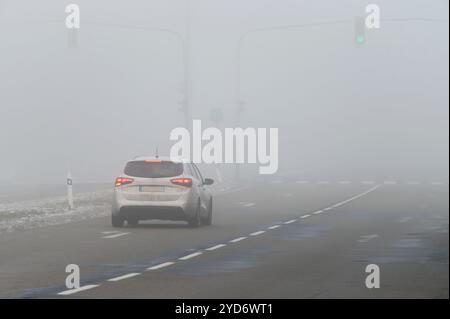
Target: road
(268,240)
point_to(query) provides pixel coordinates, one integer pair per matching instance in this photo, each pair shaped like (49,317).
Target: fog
(377,110)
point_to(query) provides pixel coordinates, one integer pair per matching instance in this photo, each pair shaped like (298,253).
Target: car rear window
(153,169)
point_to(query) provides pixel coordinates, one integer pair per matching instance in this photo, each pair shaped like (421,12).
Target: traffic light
(360,30)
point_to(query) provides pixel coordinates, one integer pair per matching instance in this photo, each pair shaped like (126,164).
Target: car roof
(150,158)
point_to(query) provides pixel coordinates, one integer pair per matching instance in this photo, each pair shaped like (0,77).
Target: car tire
(207,221)
(117,221)
(195,221)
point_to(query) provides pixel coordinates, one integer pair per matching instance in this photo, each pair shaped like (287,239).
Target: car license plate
(151,189)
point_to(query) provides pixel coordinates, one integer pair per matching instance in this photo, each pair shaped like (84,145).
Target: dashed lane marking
(237,239)
(215,247)
(163,265)
(370,182)
(198,253)
(133,274)
(256,233)
(75,290)
(195,254)
(115,235)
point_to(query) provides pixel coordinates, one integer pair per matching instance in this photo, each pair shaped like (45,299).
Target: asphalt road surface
(275,240)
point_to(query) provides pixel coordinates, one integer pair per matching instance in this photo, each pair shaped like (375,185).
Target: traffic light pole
(187,74)
(238,95)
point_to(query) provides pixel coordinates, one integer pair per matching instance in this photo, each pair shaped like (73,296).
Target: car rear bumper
(153,212)
(180,209)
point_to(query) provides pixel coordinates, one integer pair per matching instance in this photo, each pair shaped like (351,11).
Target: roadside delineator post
(69,191)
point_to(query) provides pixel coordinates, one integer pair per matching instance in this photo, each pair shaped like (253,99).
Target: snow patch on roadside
(53,211)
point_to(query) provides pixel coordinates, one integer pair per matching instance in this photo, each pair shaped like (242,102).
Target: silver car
(158,188)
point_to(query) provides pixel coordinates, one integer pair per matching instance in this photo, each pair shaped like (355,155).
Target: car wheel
(117,221)
(208,220)
(195,221)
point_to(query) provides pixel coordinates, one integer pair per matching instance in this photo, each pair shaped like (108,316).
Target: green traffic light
(360,39)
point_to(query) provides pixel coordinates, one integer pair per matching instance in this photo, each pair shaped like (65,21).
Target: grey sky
(378,110)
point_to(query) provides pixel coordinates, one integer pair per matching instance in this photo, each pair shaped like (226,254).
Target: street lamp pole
(185,57)
(184,40)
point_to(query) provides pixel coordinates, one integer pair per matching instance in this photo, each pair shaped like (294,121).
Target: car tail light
(182,181)
(120,181)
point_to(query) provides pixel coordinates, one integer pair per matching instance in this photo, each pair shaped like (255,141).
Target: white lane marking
(368,182)
(318,212)
(110,232)
(350,199)
(133,274)
(169,263)
(237,239)
(198,253)
(342,203)
(215,247)
(256,233)
(366,238)
(115,235)
(273,227)
(290,221)
(249,204)
(75,290)
(367,192)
